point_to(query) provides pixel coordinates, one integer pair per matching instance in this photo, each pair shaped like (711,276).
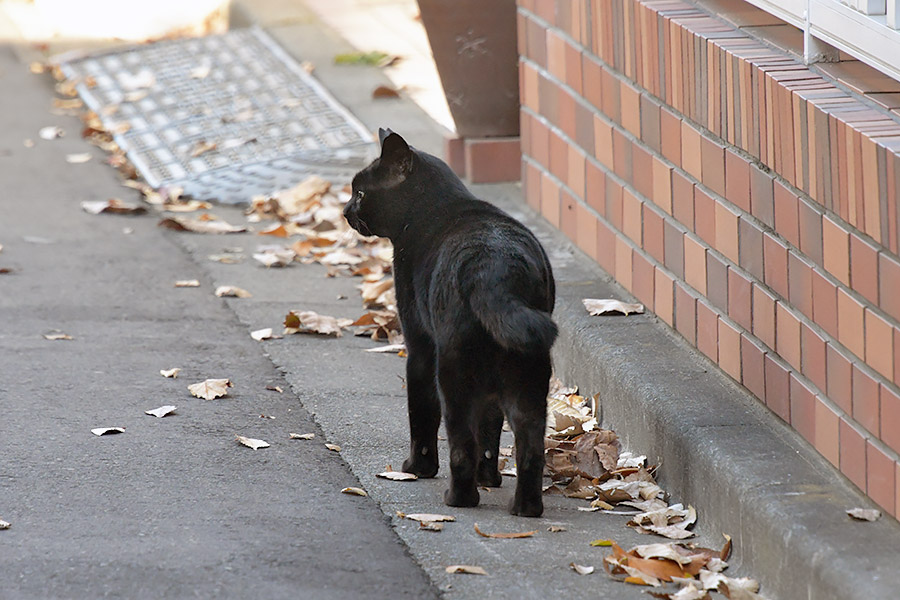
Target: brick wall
(744,198)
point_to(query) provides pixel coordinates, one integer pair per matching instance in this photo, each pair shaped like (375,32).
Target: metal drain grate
(271,122)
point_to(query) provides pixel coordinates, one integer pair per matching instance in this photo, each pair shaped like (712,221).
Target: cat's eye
(360,194)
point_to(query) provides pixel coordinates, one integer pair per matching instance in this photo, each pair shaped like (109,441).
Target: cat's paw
(526,508)
(424,467)
(457,498)
(489,477)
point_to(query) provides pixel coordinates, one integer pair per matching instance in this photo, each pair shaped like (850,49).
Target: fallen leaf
(600,307)
(5,524)
(113,206)
(274,388)
(689,592)
(51,132)
(161,411)
(262,334)
(302,436)
(426,517)
(467,569)
(333,447)
(173,373)
(666,551)
(199,225)
(556,528)
(354,491)
(188,206)
(187,283)
(388,349)
(210,388)
(581,569)
(251,442)
(383,91)
(312,322)
(431,526)
(226,258)
(504,536)
(373,58)
(231,291)
(202,147)
(57,335)
(397,476)
(864,514)
(107,430)
(276,231)
(602,543)
(275,257)
(78,158)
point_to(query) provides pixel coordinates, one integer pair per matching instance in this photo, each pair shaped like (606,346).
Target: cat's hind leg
(424,408)
(490,426)
(525,404)
(461,423)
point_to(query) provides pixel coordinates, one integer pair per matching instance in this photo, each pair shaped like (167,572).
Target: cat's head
(379,202)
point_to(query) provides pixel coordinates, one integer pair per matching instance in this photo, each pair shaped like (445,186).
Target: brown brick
(576,176)
(800,288)
(670,135)
(730,350)
(836,250)
(880,473)
(866,409)
(533,186)
(686,313)
(778,392)
(674,249)
(853,454)
(762,192)
(540,143)
(787,216)
(584,128)
(631,109)
(650,133)
(879,344)
(812,356)
(850,323)
(642,279)
(603,142)
(548,99)
(787,335)
(864,268)
(623,165)
(727,236)
(559,157)
(890,417)
(614,192)
(606,248)
(592,74)
(654,234)
(663,296)
(750,247)
(662,185)
(573,69)
(695,264)
(611,96)
(704,216)
(737,180)
(753,372)
(624,254)
(595,187)
(889,282)
(811,232)
(537,42)
(586,231)
(824,303)
(568,216)
(566,113)
(683,200)
(717,281)
(740,290)
(803,409)
(492,160)
(690,151)
(827,432)
(764,316)
(707,331)
(642,170)
(550,200)
(631,216)
(839,372)
(556,55)
(712,157)
(775,265)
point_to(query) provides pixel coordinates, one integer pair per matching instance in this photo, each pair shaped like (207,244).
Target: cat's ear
(382,134)
(395,153)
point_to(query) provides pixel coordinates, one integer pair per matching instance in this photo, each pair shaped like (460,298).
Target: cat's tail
(512,323)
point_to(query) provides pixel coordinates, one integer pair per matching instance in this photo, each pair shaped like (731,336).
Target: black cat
(475,292)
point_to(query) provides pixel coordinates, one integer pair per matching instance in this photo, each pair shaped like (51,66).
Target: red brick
(836,244)
(686,313)
(740,290)
(730,350)
(532,186)
(778,392)
(670,136)
(622,160)
(853,454)
(753,372)
(712,157)
(559,157)
(824,304)
(889,282)
(762,196)
(880,473)
(776,266)
(614,193)
(727,240)
(690,151)
(764,316)
(663,297)
(556,55)
(576,175)
(705,216)
(623,263)
(683,200)
(662,185)
(803,409)
(631,216)
(827,432)
(595,187)
(737,180)
(866,409)
(750,245)
(879,343)
(707,331)
(493,160)
(839,374)
(695,264)
(586,231)
(642,279)
(568,216)
(811,233)
(800,283)
(540,143)
(592,74)
(606,248)
(550,200)
(850,323)
(812,356)
(573,69)
(603,142)
(890,417)
(654,234)
(611,96)
(787,215)
(787,335)
(630,104)
(642,171)
(864,268)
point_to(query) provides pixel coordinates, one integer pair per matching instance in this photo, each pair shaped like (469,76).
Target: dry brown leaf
(504,536)
(188,206)
(864,514)
(187,283)
(202,147)
(262,334)
(397,476)
(556,528)
(601,307)
(302,436)
(231,291)
(276,231)
(57,335)
(430,526)
(333,447)
(388,349)
(354,491)
(107,430)
(113,206)
(467,569)
(210,388)
(275,256)
(383,91)
(426,517)
(199,225)
(173,373)
(161,412)
(251,442)
(312,322)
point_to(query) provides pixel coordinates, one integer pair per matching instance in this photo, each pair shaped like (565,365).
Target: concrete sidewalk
(182,508)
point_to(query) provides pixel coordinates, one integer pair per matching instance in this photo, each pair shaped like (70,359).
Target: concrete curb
(748,473)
